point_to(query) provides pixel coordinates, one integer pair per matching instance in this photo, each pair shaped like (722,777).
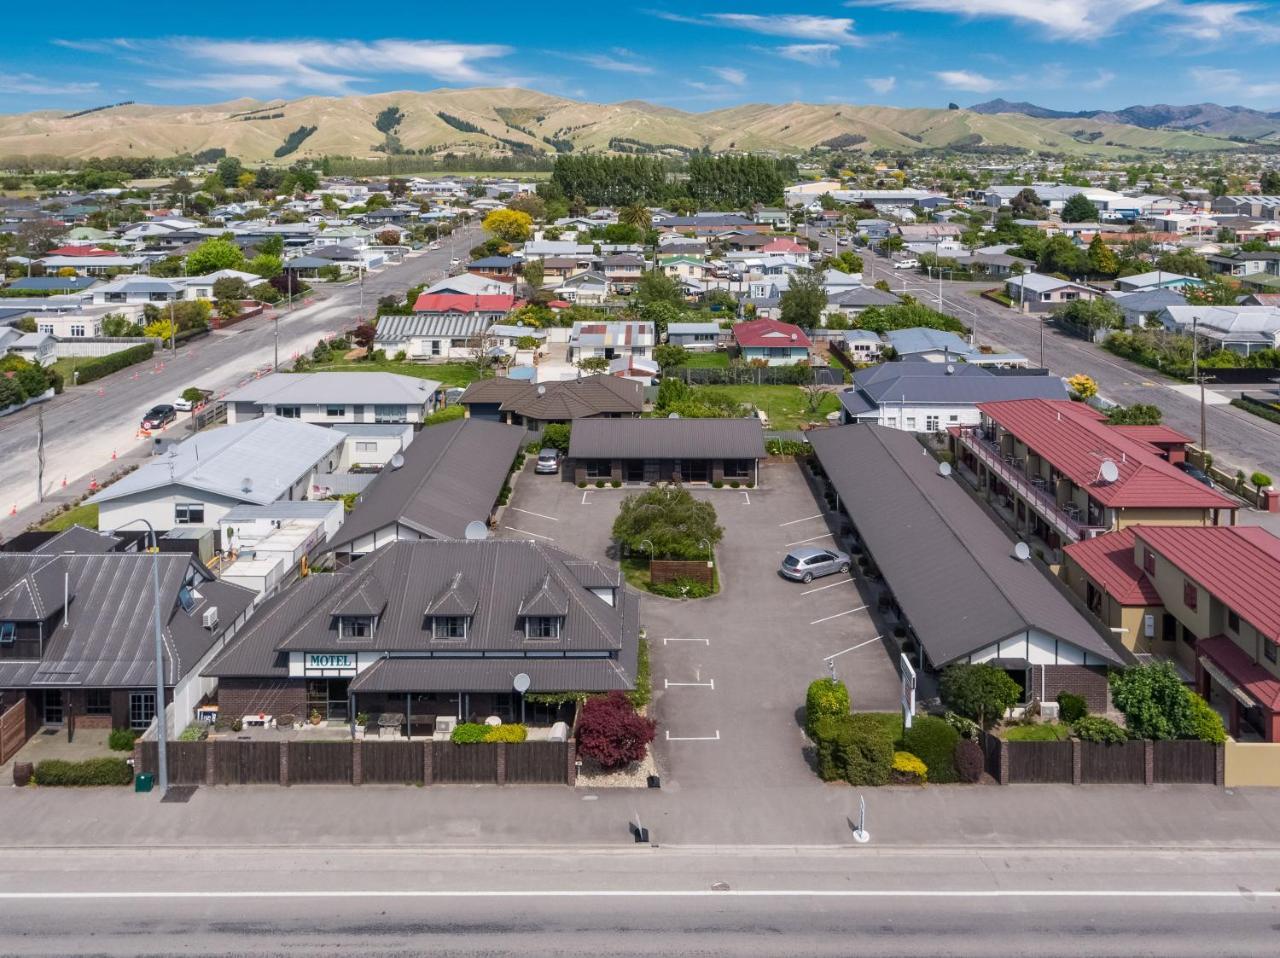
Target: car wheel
(807,577)
(844,567)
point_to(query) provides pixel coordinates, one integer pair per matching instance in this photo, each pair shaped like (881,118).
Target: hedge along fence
(1091,763)
(94,369)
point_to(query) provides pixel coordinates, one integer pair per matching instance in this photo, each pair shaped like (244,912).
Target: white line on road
(748,495)
(831,586)
(795,521)
(526,532)
(674,639)
(584,497)
(798,542)
(693,738)
(852,648)
(1243,894)
(837,615)
(538,514)
(667,683)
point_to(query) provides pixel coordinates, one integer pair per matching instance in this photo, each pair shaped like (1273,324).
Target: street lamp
(162,757)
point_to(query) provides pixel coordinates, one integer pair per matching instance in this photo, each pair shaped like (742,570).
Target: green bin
(144,782)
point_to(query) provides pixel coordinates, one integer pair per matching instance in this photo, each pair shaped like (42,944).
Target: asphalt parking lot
(730,672)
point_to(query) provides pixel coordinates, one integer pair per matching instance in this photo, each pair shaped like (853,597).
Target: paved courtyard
(730,672)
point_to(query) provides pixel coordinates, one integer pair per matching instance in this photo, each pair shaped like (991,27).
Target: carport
(666,450)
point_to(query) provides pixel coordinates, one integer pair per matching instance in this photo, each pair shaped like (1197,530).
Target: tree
(1139,414)
(1154,701)
(980,692)
(228,172)
(530,203)
(534,273)
(826,698)
(511,226)
(1027,205)
(670,356)
(1260,481)
(265,265)
(662,314)
(1269,183)
(1102,262)
(388,238)
(1217,291)
(1186,262)
(213,255)
(192,394)
(398,187)
(846,262)
(555,435)
(612,732)
(594,364)
(118,324)
(637,215)
(804,299)
(655,286)
(1082,387)
(1091,314)
(364,335)
(228,293)
(667,524)
(1078,209)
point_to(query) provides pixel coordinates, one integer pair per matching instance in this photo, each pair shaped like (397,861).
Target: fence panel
(1190,763)
(1123,763)
(392,763)
(1039,762)
(246,763)
(537,763)
(991,748)
(320,763)
(185,760)
(465,764)
(13,729)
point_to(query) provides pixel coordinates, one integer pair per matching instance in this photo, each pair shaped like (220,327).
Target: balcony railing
(1041,499)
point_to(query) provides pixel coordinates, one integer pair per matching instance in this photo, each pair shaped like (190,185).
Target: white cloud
(31,85)
(797,26)
(731,75)
(1063,19)
(967,80)
(814,54)
(882,85)
(1234,83)
(613,64)
(1100,81)
(1212,22)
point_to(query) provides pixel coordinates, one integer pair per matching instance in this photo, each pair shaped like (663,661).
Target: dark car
(158,417)
(1196,473)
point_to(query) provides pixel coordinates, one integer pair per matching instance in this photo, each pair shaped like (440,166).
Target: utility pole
(1195,376)
(40,453)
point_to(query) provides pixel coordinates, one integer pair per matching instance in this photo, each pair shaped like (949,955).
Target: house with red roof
(1059,473)
(1206,597)
(785,245)
(771,341)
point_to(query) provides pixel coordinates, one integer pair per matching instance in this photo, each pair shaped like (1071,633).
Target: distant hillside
(1208,118)
(514,120)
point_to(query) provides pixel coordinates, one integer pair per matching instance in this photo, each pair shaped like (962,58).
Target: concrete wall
(1252,764)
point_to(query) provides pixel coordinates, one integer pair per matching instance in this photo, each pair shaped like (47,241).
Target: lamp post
(162,757)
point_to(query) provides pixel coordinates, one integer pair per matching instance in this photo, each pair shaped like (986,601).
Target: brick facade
(240,697)
(1079,680)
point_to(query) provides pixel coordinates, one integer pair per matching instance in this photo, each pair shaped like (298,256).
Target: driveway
(730,672)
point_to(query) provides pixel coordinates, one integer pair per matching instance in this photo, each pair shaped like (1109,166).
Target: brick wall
(1080,680)
(240,697)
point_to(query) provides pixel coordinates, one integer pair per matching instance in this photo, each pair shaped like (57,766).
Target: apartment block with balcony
(1058,473)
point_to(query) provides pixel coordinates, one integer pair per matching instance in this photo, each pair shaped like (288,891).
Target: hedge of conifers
(100,366)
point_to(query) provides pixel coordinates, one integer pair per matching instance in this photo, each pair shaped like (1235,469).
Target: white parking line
(748,495)
(837,615)
(693,738)
(667,683)
(831,586)
(799,542)
(538,514)
(584,497)
(797,521)
(674,639)
(526,532)
(852,648)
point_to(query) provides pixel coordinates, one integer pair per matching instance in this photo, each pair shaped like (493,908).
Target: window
(8,632)
(1233,621)
(435,347)
(541,627)
(366,447)
(77,330)
(142,709)
(390,413)
(97,702)
(911,422)
(355,627)
(449,627)
(188,513)
(931,424)
(1270,648)
(1148,562)
(335,412)
(1190,594)
(158,297)
(953,419)
(289,412)
(46,328)
(114,297)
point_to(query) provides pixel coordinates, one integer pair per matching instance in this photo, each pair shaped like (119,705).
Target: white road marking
(800,542)
(1243,894)
(837,615)
(831,586)
(674,639)
(584,497)
(852,648)
(693,738)
(538,514)
(795,521)
(667,683)
(748,495)
(525,532)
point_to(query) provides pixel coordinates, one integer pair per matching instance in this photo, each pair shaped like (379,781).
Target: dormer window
(449,627)
(8,633)
(355,626)
(541,627)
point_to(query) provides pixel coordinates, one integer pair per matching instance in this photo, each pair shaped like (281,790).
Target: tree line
(705,181)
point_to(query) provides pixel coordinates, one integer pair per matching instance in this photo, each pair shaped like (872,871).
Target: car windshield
(547,455)
(791,562)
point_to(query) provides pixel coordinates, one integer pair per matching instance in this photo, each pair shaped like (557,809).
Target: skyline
(1062,54)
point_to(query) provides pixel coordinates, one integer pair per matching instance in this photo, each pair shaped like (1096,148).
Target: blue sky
(1066,54)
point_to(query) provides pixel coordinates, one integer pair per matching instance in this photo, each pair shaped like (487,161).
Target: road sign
(908,690)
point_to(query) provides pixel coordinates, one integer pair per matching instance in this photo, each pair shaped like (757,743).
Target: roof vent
(944,469)
(950,369)
(542,390)
(246,484)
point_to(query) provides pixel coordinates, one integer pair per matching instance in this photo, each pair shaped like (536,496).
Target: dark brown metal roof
(667,439)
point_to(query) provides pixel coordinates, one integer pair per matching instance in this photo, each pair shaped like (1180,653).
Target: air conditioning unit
(1049,711)
(210,617)
(445,724)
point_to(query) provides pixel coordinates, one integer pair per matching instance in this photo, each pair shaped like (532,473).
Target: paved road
(86,425)
(638,901)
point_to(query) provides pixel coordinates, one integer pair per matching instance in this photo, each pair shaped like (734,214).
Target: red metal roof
(1108,561)
(1241,669)
(1155,435)
(770,332)
(462,303)
(1076,440)
(1239,565)
(81,251)
(784,246)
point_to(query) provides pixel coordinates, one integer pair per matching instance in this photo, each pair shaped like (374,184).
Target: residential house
(544,249)
(929,345)
(853,300)
(610,340)
(1244,265)
(589,288)
(523,403)
(704,223)
(1039,293)
(137,291)
(1143,308)
(38,347)
(451,337)
(861,345)
(557,269)
(486,308)
(623,272)
(1241,329)
(201,287)
(467,284)
(774,342)
(697,337)
(50,285)
(330,398)
(495,267)
(683,267)
(89,261)
(665,450)
(772,217)
(1144,282)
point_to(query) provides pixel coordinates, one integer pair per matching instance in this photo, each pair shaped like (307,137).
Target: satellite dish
(397,461)
(476,531)
(542,390)
(1108,471)
(944,469)
(521,683)
(673,415)
(1022,552)
(950,369)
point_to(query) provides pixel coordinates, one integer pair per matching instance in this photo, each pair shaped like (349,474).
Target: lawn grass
(635,569)
(786,406)
(715,360)
(447,374)
(83,515)
(1036,733)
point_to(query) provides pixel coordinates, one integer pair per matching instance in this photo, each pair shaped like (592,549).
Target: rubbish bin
(22,772)
(144,782)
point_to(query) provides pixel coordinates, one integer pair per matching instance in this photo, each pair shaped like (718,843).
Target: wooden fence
(360,762)
(13,729)
(1090,763)
(662,571)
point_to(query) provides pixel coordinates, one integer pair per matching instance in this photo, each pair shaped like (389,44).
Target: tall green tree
(804,299)
(1078,209)
(213,255)
(1102,262)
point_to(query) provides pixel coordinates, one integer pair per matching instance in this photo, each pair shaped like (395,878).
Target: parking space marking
(831,586)
(526,532)
(798,521)
(852,648)
(800,542)
(674,639)
(837,615)
(584,497)
(667,683)
(538,514)
(748,495)
(693,738)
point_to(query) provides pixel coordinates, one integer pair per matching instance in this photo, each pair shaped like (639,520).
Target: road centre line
(667,683)
(831,586)
(693,738)
(837,615)
(799,542)
(796,521)
(852,648)
(526,532)
(674,639)
(538,514)
(1242,894)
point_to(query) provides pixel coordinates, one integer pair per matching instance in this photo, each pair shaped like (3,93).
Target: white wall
(1038,648)
(193,686)
(156,506)
(895,416)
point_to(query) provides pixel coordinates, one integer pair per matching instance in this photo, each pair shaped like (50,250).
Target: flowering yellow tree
(511,226)
(1083,386)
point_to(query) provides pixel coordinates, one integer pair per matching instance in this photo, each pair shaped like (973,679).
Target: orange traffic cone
(64,482)
(13,510)
(93,483)
(113,454)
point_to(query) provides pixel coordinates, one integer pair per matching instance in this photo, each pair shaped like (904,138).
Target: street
(87,426)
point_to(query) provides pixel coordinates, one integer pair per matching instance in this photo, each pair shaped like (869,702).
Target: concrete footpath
(817,815)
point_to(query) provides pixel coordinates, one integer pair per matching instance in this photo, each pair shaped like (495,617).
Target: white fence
(93,346)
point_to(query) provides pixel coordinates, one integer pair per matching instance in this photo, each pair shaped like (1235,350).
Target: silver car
(548,461)
(809,562)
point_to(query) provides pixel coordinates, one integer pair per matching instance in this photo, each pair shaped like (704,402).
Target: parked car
(1196,473)
(157,417)
(186,405)
(455,262)
(907,264)
(548,461)
(809,562)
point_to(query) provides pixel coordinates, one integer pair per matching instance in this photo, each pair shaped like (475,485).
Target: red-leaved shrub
(612,732)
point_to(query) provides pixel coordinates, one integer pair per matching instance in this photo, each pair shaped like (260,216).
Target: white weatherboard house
(198,481)
(333,398)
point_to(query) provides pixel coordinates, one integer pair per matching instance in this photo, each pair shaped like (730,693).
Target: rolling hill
(1208,118)
(479,119)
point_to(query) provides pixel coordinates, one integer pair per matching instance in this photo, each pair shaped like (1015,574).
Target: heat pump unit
(210,617)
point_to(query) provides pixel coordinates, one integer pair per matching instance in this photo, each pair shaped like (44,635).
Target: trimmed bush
(599,483)
(681,588)
(855,748)
(970,762)
(965,728)
(826,698)
(469,733)
(1095,728)
(643,692)
(934,741)
(507,733)
(908,769)
(980,692)
(101,366)
(1071,707)
(121,739)
(612,732)
(1205,724)
(617,483)
(90,772)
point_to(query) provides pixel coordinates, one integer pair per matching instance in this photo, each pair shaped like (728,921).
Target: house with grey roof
(436,628)
(1145,305)
(851,301)
(137,291)
(665,450)
(520,402)
(1039,293)
(333,398)
(1241,329)
(698,337)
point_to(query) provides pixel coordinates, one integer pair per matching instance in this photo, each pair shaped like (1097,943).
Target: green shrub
(96,368)
(787,447)
(1153,700)
(855,748)
(826,698)
(91,771)
(681,588)
(934,741)
(1071,707)
(717,484)
(507,733)
(980,692)
(967,728)
(581,484)
(122,739)
(192,733)
(469,733)
(641,695)
(1095,728)
(909,770)
(617,483)
(1205,724)
(734,484)
(970,762)
(599,483)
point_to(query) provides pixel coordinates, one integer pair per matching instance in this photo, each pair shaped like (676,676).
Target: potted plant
(316,717)
(362,721)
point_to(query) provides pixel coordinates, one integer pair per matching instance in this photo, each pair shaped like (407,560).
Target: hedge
(101,366)
(855,748)
(1071,707)
(122,739)
(91,771)
(933,741)
(469,732)
(826,698)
